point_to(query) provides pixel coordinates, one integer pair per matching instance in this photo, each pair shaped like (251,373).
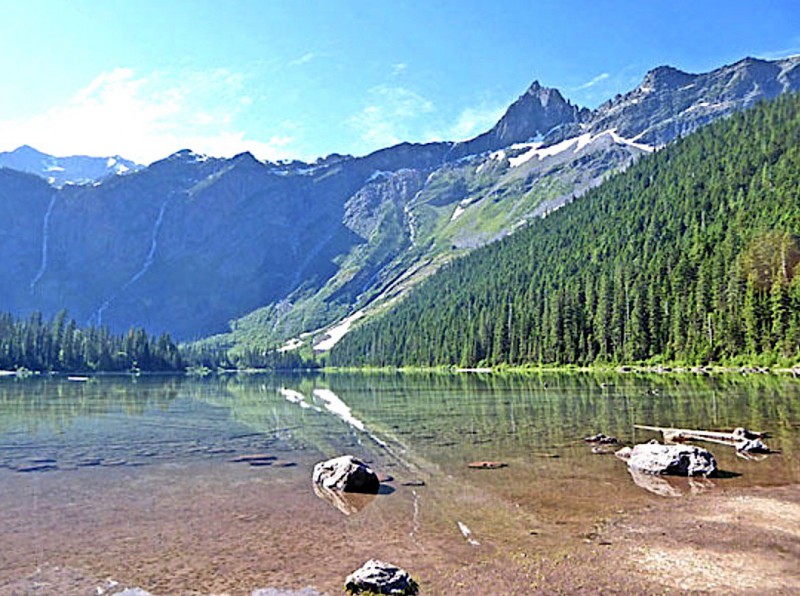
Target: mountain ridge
(73,169)
(253,253)
(691,256)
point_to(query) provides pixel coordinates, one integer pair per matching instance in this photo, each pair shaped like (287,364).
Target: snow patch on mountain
(337,332)
(577,144)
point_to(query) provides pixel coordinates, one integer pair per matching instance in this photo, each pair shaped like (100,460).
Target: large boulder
(377,577)
(676,460)
(346,473)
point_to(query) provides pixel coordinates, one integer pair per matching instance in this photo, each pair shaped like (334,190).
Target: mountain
(58,171)
(670,103)
(254,253)
(691,255)
(534,114)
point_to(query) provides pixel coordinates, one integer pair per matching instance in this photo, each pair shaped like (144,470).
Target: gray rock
(346,473)
(601,438)
(380,578)
(677,460)
(752,446)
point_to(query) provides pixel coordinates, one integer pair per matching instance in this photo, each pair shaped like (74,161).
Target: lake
(141,481)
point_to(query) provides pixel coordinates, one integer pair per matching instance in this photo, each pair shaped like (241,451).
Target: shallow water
(132,482)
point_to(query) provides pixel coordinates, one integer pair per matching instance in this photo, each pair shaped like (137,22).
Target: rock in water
(346,473)
(377,577)
(677,460)
(602,439)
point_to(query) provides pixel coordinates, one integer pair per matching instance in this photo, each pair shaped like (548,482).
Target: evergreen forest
(60,345)
(689,256)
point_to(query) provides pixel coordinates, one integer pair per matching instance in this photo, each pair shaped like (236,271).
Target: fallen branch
(742,439)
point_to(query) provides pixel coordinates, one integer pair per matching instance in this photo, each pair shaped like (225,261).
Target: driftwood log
(741,439)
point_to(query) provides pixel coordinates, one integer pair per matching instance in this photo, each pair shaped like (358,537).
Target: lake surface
(134,482)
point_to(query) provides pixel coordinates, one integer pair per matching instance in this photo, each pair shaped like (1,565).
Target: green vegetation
(411,222)
(689,256)
(60,345)
(203,357)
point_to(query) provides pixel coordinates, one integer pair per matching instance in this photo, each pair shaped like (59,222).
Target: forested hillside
(689,256)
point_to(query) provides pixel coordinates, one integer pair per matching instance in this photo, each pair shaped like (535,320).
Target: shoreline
(616,369)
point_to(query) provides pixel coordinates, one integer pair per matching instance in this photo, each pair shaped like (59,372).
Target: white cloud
(399,68)
(473,121)
(304,59)
(390,116)
(146,118)
(589,84)
(780,54)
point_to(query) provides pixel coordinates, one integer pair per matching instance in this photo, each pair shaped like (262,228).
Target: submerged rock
(377,577)
(37,468)
(486,465)
(677,460)
(348,503)
(256,458)
(346,473)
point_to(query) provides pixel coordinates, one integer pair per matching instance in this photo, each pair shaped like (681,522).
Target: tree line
(689,256)
(59,345)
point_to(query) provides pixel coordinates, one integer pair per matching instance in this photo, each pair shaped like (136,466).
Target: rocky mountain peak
(535,113)
(543,95)
(664,78)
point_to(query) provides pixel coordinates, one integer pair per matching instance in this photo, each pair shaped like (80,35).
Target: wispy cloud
(146,117)
(473,121)
(390,115)
(399,68)
(589,84)
(304,59)
(779,54)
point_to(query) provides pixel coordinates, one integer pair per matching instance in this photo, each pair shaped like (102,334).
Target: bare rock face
(676,460)
(346,473)
(377,577)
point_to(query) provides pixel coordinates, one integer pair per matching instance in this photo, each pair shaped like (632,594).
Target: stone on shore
(377,577)
(676,460)
(346,473)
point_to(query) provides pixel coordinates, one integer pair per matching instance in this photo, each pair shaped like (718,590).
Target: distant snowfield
(575,143)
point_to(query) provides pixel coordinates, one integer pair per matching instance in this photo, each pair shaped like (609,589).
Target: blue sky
(295,79)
